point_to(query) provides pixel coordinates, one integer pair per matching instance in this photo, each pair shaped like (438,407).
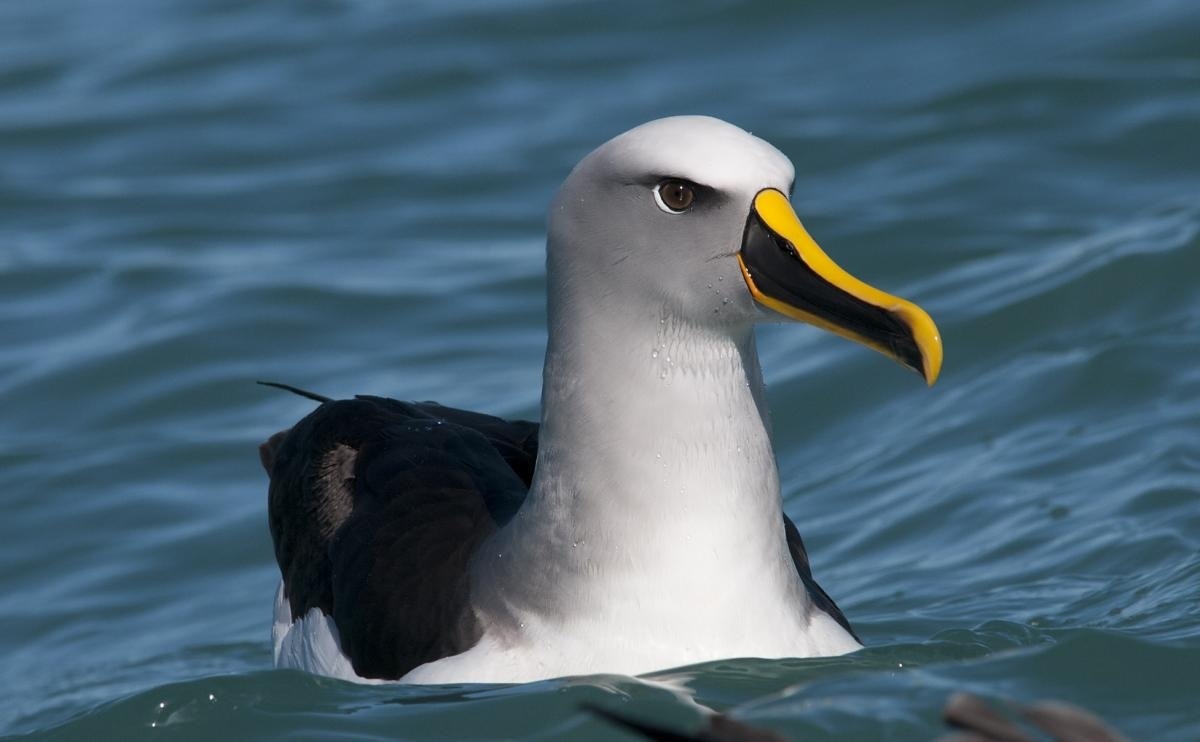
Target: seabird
(640,526)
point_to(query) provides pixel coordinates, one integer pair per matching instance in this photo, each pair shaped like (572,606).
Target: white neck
(652,535)
(654,444)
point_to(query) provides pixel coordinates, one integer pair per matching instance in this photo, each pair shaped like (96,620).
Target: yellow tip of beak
(794,291)
(927,337)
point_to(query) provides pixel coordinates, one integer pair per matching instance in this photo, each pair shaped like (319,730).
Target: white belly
(540,651)
(632,647)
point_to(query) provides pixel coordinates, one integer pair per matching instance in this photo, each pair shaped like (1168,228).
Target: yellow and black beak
(788,272)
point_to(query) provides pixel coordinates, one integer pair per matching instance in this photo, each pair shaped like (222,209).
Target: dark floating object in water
(719,728)
(976,720)
(971,716)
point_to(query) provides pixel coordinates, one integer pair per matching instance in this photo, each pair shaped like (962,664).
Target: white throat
(655,452)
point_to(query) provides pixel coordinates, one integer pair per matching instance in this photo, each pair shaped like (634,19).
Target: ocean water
(349,195)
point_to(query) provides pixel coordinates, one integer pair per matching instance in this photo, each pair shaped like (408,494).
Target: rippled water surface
(349,195)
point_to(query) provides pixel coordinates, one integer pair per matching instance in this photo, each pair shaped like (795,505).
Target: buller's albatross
(640,526)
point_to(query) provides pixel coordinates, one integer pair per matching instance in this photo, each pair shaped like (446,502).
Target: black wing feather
(815,592)
(375,508)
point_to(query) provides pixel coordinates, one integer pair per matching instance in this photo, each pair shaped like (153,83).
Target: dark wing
(375,507)
(819,596)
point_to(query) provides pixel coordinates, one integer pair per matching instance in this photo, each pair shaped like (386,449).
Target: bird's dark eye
(675,196)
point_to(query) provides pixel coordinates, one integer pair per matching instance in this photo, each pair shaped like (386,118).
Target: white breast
(310,644)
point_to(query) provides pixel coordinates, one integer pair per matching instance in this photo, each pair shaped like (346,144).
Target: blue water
(349,195)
